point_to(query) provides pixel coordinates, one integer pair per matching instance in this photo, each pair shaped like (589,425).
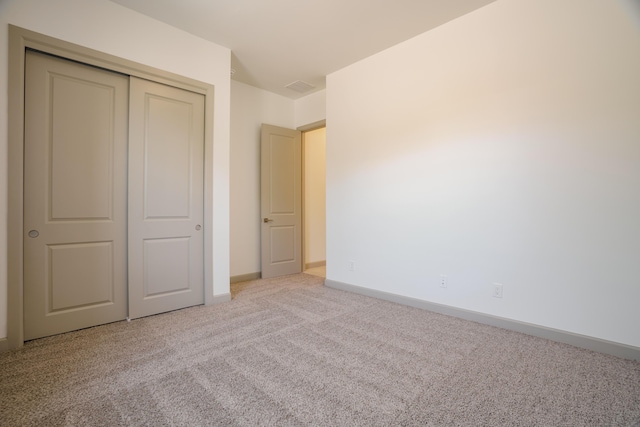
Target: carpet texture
(291,352)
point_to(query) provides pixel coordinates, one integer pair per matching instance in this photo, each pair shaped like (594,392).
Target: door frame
(20,40)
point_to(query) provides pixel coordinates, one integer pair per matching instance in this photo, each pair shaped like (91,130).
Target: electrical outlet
(352,266)
(443,281)
(497,290)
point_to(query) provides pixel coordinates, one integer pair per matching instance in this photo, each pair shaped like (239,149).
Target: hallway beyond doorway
(317,271)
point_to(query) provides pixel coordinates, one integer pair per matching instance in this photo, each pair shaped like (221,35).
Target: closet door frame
(20,40)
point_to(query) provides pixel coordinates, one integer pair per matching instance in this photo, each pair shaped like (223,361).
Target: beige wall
(503,146)
(314,196)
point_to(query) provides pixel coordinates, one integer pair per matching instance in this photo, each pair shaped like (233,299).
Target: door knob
(198,227)
(267,220)
(33,234)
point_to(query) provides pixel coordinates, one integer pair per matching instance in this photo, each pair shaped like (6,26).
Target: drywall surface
(310,109)
(250,108)
(314,195)
(113,29)
(502,147)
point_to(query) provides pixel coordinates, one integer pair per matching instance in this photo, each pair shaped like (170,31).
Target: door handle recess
(267,220)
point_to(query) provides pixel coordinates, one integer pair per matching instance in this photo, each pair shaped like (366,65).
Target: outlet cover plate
(443,281)
(497,290)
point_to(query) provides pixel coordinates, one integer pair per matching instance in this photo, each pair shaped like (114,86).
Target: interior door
(281,205)
(166,164)
(75,217)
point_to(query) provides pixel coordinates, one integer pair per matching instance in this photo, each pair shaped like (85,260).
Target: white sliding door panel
(166,165)
(74,196)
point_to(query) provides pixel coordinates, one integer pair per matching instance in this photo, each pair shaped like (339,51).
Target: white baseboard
(219,299)
(577,340)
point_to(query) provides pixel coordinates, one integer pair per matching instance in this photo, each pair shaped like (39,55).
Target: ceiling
(277,42)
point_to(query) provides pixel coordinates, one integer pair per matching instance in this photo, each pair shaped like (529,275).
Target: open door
(281,201)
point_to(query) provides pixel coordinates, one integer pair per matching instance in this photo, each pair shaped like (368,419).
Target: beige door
(281,182)
(74,196)
(166,163)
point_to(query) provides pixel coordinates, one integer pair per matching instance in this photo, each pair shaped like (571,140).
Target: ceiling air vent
(300,86)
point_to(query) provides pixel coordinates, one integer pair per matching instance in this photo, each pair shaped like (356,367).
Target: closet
(113,196)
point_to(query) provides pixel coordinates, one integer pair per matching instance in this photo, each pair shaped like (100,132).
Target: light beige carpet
(291,352)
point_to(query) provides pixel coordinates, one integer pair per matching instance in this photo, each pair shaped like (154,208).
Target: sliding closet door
(75,167)
(166,163)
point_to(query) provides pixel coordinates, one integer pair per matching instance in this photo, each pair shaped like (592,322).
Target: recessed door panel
(75,171)
(81,147)
(166,266)
(283,244)
(80,276)
(166,164)
(282,174)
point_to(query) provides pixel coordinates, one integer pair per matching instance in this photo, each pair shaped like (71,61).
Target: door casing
(19,41)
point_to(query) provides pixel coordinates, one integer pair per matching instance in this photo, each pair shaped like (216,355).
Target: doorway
(292,200)
(314,201)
